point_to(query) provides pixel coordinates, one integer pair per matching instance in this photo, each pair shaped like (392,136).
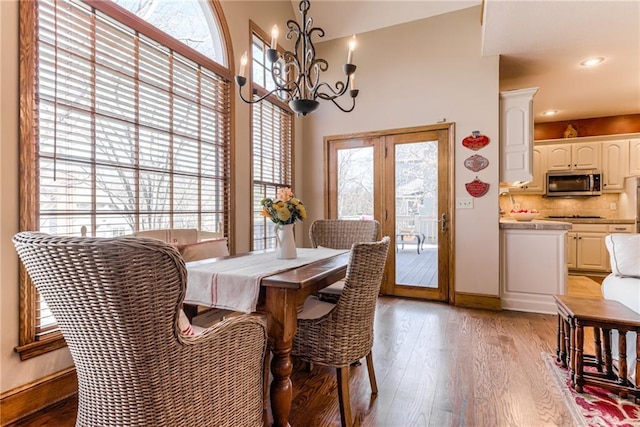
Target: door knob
(443,223)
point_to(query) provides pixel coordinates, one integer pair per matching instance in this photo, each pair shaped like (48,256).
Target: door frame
(386,220)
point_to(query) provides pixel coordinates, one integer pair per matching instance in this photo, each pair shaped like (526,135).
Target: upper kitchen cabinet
(537,184)
(575,156)
(559,157)
(634,157)
(614,165)
(516,135)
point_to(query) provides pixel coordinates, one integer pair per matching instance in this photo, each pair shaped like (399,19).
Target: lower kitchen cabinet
(586,249)
(533,267)
(572,249)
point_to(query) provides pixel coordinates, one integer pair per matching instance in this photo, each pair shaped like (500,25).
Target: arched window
(123,127)
(190,21)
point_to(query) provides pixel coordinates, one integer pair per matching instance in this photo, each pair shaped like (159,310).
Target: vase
(285,242)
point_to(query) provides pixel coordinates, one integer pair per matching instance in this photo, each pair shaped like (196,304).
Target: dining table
(258,282)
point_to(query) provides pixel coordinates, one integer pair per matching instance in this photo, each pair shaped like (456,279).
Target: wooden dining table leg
(281,324)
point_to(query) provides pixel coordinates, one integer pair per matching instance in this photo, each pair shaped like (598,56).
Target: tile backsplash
(597,206)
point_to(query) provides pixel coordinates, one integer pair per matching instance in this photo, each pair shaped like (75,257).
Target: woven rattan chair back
(342,233)
(345,335)
(116,301)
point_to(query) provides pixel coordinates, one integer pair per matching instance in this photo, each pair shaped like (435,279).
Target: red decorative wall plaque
(475,141)
(477,188)
(476,163)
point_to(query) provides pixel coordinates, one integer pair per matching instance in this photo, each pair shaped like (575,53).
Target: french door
(404,179)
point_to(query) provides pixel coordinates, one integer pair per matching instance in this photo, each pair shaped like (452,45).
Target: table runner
(234,283)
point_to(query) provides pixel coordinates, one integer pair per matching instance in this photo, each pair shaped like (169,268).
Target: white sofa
(623,285)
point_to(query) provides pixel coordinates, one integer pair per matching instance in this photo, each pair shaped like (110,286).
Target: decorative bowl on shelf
(524,214)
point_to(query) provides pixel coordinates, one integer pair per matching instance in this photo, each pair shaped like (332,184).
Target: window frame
(259,91)
(28,345)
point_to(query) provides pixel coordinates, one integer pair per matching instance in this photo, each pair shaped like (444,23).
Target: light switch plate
(464,203)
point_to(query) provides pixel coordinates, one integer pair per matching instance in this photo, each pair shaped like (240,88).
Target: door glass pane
(416,205)
(355,183)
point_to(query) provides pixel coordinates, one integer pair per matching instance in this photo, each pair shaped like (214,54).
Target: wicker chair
(117,302)
(340,234)
(338,334)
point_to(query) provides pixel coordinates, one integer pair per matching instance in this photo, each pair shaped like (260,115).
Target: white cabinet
(537,184)
(614,165)
(621,228)
(516,135)
(591,253)
(585,155)
(559,157)
(634,157)
(586,249)
(573,156)
(572,242)
(533,269)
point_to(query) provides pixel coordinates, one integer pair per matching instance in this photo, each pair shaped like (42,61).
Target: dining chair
(117,301)
(340,234)
(337,335)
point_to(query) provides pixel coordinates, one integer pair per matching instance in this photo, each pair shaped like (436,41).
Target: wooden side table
(574,314)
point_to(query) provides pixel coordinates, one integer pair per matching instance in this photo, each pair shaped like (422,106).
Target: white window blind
(272,148)
(130,133)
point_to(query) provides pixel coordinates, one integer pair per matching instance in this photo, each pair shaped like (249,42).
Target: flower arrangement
(285,209)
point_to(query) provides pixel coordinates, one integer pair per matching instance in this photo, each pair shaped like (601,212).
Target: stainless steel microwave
(568,184)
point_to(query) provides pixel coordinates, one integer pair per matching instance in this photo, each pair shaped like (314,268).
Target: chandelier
(296,74)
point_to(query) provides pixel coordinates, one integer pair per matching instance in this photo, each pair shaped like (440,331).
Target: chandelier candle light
(296,74)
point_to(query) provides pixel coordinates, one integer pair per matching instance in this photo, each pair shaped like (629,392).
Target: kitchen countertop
(595,220)
(536,224)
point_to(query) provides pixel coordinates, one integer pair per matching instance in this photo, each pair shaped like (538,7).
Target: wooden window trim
(28,346)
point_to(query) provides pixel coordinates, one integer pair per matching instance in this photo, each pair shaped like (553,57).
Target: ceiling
(541,44)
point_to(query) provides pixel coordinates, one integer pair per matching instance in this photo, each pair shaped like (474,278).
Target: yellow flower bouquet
(285,209)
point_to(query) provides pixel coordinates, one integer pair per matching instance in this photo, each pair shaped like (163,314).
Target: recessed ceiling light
(550,113)
(592,61)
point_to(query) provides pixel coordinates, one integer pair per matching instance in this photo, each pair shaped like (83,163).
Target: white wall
(417,74)
(14,372)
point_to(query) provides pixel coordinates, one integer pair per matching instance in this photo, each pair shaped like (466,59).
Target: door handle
(443,223)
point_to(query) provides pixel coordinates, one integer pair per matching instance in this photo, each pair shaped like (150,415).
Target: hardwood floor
(436,365)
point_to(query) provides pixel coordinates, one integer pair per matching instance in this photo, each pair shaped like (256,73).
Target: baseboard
(485,302)
(25,400)
(530,304)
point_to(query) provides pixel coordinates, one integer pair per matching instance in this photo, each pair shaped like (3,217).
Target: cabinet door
(559,157)
(536,186)
(585,155)
(591,251)
(614,155)
(634,157)
(516,135)
(572,241)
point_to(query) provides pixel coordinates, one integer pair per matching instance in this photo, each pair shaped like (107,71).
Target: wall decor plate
(475,141)
(477,188)
(476,163)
